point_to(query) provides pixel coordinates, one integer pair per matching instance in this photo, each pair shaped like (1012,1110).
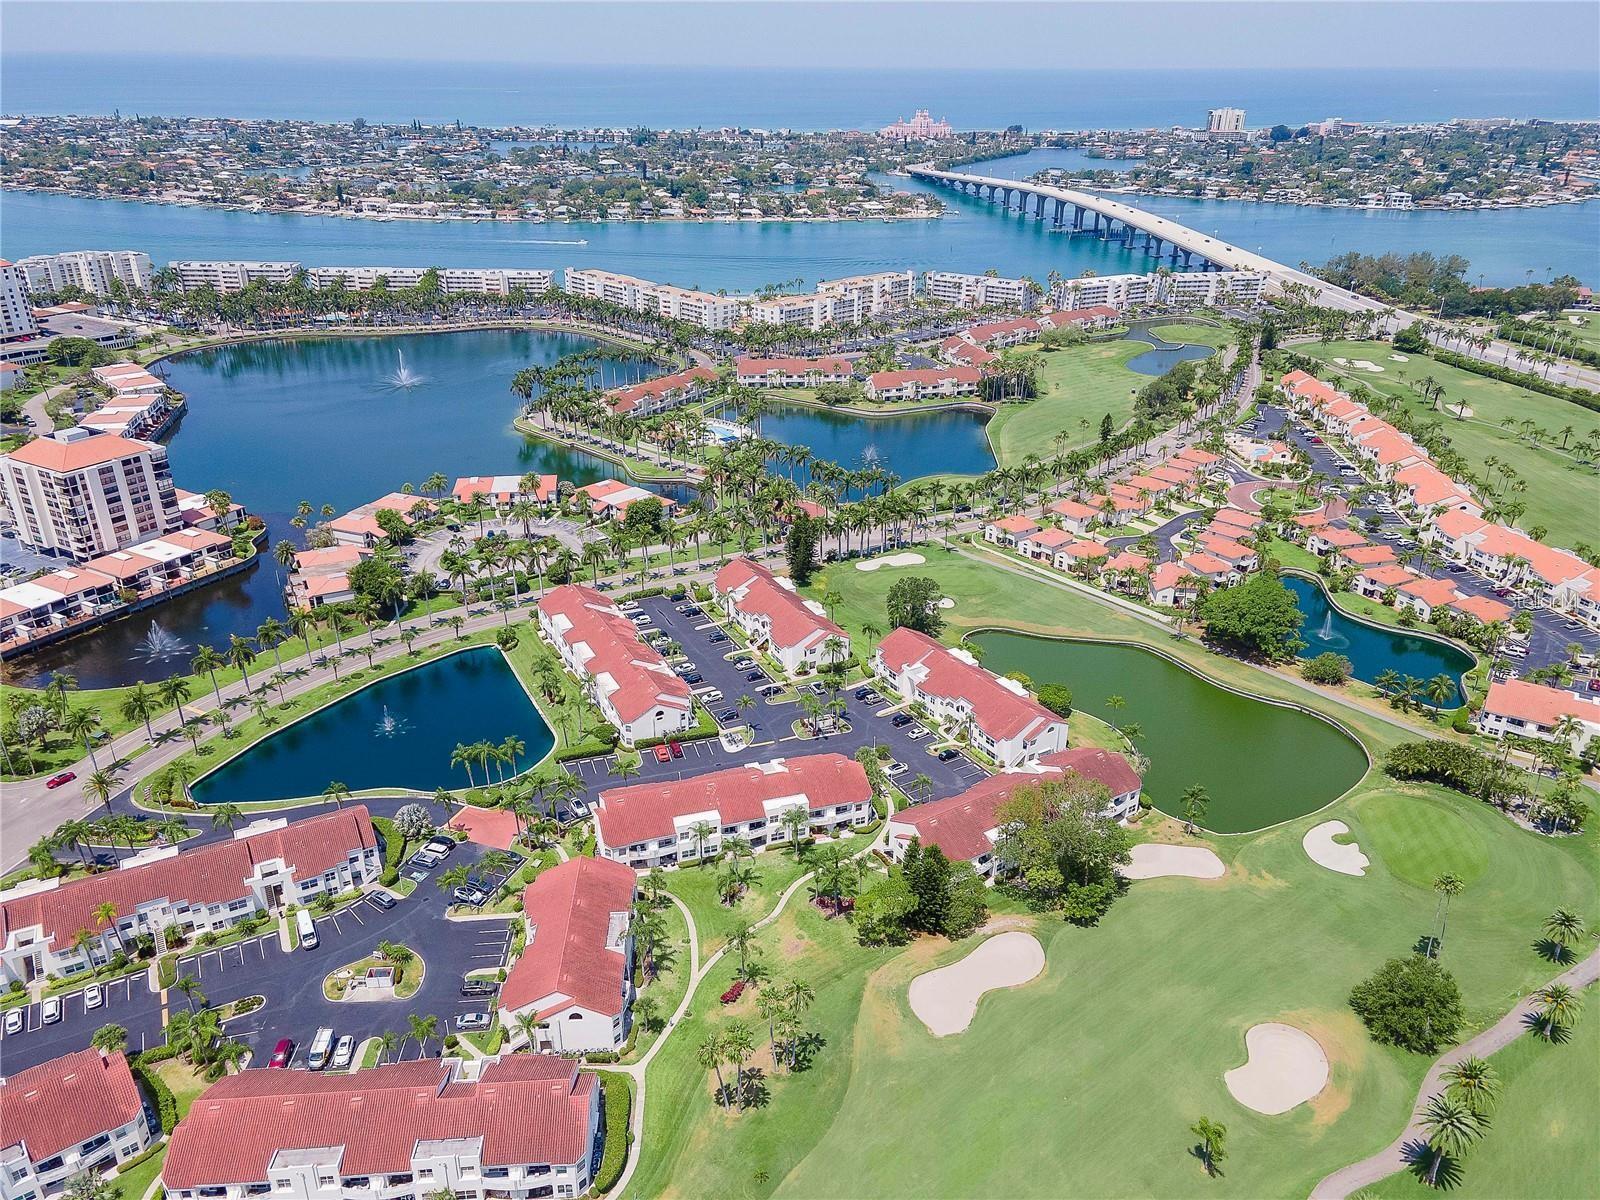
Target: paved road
(1403,1151)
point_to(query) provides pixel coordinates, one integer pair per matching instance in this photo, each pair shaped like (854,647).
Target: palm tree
(388,1042)
(82,723)
(173,691)
(140,704)
(738,1044)
(106,914)
(1559,1007)
(190,987)
(424,1029)
(1563,927)
(205,662)
(111,1039)
(1194,802)
(709,1054)
(1448,886)
(337,793)
(225,816)
(100,785)
(1453,1128)
(1474,1082)
(702,830)
(1213,1143)
(462,756)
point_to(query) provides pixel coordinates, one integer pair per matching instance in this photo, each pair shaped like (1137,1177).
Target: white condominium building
(78,1113)
(1180,288)
(16,315)
(881,291)
(813,311)
(1225,122)
(231,276)
(92,270)
(81,493)
(487,281)
(499,1128)
(705,309)
(979,291)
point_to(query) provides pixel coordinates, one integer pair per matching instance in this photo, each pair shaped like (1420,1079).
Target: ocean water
(695,97)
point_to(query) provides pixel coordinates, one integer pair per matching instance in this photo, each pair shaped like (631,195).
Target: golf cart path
(1502,1033)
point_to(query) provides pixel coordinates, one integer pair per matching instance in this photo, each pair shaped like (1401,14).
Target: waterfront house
(997,714)
(661,393)
(1173,585)
(751,371)
(1424,595)
(627,679)
(360,527)
(609,499)
(502,491)
(322,575)
(923,384)
(1534,711)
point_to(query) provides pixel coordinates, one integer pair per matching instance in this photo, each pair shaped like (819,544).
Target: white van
(307,929)
(321,1048)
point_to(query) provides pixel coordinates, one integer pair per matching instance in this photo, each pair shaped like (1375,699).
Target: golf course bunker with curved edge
(892,560)
(1283,1067)
(1152,860)
(946,1000)
(1343,857)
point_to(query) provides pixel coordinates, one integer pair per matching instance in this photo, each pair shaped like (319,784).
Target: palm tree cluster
(782,1005)
(197,1034)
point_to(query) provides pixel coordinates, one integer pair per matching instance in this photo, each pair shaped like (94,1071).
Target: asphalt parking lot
(295,1005)
(772,724)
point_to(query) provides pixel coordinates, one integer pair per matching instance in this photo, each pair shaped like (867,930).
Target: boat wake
(554,241)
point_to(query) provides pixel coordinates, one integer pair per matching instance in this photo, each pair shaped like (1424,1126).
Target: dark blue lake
(1163,355)
(1372,649)
(397,733)
(911,444)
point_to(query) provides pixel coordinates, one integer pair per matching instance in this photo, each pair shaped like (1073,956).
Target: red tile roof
(577,916)
(205,875)
(640,677)
(646,810)
(525,1108)
(758,592)
(67,1101)
(747,365)
(49,454)
(1481,608)
(1534,702)
(626,399)
(959,824)
(996,709)
(926,376)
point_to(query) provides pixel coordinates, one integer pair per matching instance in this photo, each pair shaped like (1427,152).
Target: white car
(93,997)
(14,1019)
(916,733)
(895,769)
(50,1010)
(343,1053)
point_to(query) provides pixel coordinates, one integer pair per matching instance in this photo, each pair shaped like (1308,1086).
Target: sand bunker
(1284,1066)
(1151,860)
(1362,364)
(892,560)
(1461,410)
(1398,358)
(946,1000)
(946,602)
(1343,857)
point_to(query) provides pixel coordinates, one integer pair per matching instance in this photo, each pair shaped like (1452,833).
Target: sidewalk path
(1397,1155)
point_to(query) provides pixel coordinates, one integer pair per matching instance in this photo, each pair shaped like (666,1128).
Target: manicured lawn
(1077,387)
(185,1082)
(1561,495)
(1545,1139)
(1586,330)
(672,976)
(1084,1082)
(134,1184)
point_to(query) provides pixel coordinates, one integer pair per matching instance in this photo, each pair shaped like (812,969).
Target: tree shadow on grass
(1198,1151)
(1419,1158)
(1552,951)
(1555,1034)
(806,1048)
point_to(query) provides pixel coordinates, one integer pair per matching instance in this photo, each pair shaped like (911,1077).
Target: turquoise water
(1372,649)
(1259,763)
(397,733)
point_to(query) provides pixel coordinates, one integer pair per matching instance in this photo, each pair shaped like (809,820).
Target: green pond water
(1260,763)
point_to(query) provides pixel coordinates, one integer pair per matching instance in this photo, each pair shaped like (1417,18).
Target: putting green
(1418,838)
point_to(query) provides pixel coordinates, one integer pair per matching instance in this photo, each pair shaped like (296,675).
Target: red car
(663,754)
(677,750)
(56,781)
(282,1053)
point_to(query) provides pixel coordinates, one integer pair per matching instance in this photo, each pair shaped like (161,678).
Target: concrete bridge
(1084,214)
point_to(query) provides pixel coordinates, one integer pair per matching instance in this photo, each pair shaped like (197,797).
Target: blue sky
(1401,33)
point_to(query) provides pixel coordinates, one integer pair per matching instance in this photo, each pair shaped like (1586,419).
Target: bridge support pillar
(1061,209)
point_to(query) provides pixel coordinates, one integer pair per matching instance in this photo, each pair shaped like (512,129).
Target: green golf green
(1259,763)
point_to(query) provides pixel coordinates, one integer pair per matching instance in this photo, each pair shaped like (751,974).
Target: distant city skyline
(1158,34)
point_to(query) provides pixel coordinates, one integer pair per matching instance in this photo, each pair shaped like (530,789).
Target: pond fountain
(159,645)
(404,379)
(367,741)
